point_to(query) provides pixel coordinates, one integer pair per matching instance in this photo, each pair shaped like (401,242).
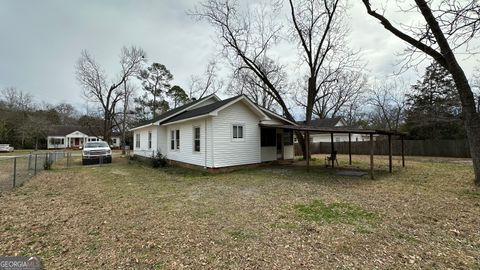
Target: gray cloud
(42,40)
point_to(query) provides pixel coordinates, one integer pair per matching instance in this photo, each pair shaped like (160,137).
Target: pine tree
(156,83)
(435,108)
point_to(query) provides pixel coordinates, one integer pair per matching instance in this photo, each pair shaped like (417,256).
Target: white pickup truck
(96,152)
(6,148)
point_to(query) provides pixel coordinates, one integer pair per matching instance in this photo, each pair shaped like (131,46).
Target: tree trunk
(301,142)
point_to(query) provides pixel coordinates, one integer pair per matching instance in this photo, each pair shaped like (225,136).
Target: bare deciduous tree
(389,102)
(15,99)
(206,84)
(446,27)
(246,36)
(244,81)
(94,82)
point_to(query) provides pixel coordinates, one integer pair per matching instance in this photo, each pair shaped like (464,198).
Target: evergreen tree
(178,96)
(156,83)
(435,108)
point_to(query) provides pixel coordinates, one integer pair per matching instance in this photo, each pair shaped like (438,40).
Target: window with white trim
(137,140)
(175,139)
(196,139)
(237,132)
(149,140)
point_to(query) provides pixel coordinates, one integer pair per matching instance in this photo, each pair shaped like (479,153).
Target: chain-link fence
(16,170)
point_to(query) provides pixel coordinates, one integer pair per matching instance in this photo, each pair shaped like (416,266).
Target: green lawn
(129,216)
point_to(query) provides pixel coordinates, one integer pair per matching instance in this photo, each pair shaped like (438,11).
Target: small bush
(159,160)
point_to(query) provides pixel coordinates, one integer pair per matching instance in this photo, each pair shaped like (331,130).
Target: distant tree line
(25,123)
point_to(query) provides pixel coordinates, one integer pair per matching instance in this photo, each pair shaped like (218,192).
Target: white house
(335,122)
(62,137)
(211,133)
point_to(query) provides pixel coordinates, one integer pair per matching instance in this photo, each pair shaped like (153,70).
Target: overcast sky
(40,41)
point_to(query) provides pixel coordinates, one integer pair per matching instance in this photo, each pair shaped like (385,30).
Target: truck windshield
(96,144)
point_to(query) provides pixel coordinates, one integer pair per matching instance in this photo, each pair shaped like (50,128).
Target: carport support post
(332,149)
(390,153)
(350,148)
(371,155)
(307,149)
(403,152)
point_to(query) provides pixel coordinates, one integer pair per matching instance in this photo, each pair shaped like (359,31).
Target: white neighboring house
(74,137)
(336,122)
(211,133)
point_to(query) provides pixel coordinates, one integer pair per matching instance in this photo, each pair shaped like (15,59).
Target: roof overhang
(278,116)
(144,126)
(335,130)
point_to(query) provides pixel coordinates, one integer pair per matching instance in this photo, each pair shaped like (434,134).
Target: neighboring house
(335,122)
(211,133)
(62,137)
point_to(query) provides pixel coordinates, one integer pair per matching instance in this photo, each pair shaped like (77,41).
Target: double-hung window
(137,140)
(174,139)
(196,139)
(149,140)
(237,132)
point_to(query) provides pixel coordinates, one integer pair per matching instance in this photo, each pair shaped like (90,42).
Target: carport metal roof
(345,130)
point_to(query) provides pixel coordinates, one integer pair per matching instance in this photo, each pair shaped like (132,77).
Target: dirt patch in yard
(128,216)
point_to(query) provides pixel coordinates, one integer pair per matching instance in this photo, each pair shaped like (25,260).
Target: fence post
(29,163)
(35,169)
(14,170)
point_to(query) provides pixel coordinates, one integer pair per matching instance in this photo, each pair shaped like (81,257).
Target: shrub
(159,160)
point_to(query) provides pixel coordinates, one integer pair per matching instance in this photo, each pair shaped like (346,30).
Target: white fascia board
(144,126)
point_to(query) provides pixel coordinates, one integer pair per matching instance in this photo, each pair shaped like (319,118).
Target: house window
(149,140)
(137,140)
(177,138)
(196,139)
(56,141)
(114,141)
(237,132)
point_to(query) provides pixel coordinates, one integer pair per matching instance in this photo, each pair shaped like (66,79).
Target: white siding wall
(186,152)
(229,152)
(143,150)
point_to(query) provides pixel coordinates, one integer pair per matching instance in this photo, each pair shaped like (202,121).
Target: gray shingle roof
(200,111)
(174,111)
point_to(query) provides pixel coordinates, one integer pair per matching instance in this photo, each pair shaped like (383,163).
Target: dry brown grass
(128,216)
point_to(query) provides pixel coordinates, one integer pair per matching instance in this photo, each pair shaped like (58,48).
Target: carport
(306,130)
